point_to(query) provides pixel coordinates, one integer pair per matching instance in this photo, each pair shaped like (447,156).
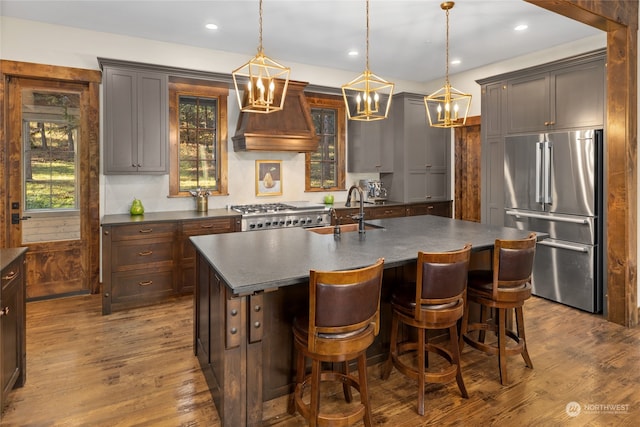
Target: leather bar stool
(343,319)
(504,288)
(434,302)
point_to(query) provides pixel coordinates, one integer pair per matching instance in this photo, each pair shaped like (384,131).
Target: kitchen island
(249,287)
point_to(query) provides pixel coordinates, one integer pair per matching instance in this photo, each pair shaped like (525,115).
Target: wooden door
(49,194)
(467,170)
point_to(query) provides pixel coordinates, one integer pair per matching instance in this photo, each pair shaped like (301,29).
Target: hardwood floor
(137,368)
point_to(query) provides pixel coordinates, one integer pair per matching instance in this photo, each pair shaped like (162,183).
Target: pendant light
(265,82)
(367,97)
(447,107)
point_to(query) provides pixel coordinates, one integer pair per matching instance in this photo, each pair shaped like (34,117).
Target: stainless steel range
(266,216)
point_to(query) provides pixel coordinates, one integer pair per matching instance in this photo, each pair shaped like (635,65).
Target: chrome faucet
(360,216)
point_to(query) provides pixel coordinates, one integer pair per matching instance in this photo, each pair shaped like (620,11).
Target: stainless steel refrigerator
(553,184)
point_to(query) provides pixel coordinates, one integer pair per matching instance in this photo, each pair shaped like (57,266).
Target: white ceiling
(406,41)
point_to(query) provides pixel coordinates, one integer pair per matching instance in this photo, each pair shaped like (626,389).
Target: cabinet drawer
(209,226)
(136,253)
(11,272)
(385,212)
(148,282)
(439,209)
(144,231)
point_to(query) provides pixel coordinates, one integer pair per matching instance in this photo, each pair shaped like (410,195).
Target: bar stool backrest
(344,303)
(443,278)
(513,263)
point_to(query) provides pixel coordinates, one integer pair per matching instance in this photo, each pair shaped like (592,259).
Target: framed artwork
(268,177)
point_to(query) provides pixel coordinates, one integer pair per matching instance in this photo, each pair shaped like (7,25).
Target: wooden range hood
(290,129)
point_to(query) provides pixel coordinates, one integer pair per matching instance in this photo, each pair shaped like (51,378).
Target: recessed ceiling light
(521,27)
(353,53)
(211,27)
(455,62)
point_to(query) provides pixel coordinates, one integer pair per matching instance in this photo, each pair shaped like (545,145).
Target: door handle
(15,218)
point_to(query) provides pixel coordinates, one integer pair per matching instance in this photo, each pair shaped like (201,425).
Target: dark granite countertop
(260,260)
(123,219)
(8,255)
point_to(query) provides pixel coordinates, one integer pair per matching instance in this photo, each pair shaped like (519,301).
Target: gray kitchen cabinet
(563,95)
(136,113)
(568,97)
(369,147)
(421,154)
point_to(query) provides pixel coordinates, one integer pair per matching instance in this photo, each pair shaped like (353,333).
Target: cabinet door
(121,117)
(528,104)
(135,122)
(578,99)
(10,325)
(365,146)
(152,123)
(492,108)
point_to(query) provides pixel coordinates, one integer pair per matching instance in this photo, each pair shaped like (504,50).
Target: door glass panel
(50,124)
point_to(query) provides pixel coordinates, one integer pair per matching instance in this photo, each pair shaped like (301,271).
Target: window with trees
(198,138)
(325,167)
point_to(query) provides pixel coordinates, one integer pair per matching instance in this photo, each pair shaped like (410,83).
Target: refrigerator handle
(539,162)
(519,215)
(559,245)
(547,172)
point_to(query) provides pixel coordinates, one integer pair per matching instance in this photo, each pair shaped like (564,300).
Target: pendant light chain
(446,75)
(260,50)
(367,46)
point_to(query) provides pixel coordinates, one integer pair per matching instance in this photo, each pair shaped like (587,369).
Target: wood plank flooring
(137,368)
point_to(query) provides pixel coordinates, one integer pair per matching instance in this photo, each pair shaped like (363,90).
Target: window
(325,168)
(198,137)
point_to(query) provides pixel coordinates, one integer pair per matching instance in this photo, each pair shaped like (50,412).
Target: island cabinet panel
(220,323)
(12,322)
(138,264)
(186,266)
(136,125)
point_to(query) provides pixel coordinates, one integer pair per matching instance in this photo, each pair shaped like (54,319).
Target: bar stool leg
(501,319)
(348,397)
(291,406)
(421,374)
(521,336)
(364,389)
(393,349)
(315,392)
(455,355)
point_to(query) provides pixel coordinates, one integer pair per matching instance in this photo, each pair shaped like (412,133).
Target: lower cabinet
(394,211)
(187,264)
(150,262)
(435,208)
(13,353)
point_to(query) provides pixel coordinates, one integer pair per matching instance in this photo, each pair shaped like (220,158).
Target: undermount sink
(344,228)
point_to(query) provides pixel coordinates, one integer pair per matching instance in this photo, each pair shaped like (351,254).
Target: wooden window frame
(189,87)
(335,102)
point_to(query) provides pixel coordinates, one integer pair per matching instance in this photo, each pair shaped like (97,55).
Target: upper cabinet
(421,154)
(564,95)
(568,97)
(369,145)
(136,111)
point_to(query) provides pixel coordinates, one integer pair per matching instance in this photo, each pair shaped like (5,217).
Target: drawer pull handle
(10,276)
(4,311)
(206,226)
(146,253)
(146,230)
(147,283)
(429,207)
